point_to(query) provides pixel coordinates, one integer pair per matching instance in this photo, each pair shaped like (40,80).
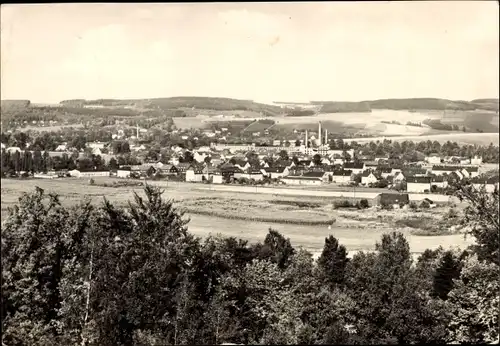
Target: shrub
(425,205)
(413,205)
(342,204)
(91,181)
(363,204)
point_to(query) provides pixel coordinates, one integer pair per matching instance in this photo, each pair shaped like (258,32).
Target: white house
(88,174)
(276,172)
(341,176)
(326,161)
(194,174)
(488,184)
(476,160)
(356,168)
(123,173)
(99,145)
(368,178)
(217,177)
(301,180)
(470,172)
(251,174)
(439,181)
(433,159)
(418,184)
(398,177)
(96,152)
(61,147)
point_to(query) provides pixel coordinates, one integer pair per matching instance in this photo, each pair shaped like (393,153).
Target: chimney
(319,133)
(306,141)
(326,137)
(137,129)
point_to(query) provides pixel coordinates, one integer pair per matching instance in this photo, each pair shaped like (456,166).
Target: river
(312,237)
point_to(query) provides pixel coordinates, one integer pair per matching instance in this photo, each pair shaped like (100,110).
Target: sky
(267,52)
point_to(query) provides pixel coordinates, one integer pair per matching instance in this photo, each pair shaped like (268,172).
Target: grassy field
(460,138)
(305,220)
(51,128)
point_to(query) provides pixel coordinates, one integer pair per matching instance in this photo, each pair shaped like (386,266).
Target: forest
(134,275)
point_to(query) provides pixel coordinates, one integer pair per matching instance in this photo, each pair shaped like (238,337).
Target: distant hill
(8,104)
(408,104)
(213,103)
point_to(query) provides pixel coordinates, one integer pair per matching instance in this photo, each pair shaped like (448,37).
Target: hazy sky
(281,52)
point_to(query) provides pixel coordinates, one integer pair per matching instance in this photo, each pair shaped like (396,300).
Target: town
(313,160)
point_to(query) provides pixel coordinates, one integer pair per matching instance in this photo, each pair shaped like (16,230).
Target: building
(489,184)
(251,174)
(194,174)
(439,181)
(433,159)
(385,172)
(341,176)
(470,172)
(182,167)
(123,172)
(301,180)
(96,145)
(440,170)
(392,199)
(275,172)
(324,176)
(476,161)
(418,184)
(369,178)
(356,168)
(88,174)
(399,178)
(168,170)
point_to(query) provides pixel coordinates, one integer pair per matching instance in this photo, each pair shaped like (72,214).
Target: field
(51,128)
(306,220)
(380,122)
(460,138)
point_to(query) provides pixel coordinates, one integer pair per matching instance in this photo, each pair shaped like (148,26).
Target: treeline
(213,103)
(110,275)
(415,151)
(436,124)
(12,164)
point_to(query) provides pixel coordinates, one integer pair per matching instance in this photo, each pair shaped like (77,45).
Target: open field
(312,209)
(374,122)
(460,138)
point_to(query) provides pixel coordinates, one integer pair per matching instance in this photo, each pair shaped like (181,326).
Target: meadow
(459,137)
(305,219)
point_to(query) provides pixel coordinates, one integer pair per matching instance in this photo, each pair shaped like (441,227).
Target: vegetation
(108,275)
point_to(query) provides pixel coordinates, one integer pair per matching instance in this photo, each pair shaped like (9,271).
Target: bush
(343,204)
(91,181)
(363,204)
(425,205)
(413,205)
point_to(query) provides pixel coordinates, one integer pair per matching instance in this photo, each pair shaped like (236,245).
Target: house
(470,172)
(433,159)
(341,176)
(476,160)
(489,184)
(251,174)
(61,147)
(392,199)
(169,170)
(98,145)
(182,167)
(96,152)
(88,174)
(301,180)
(418,184)
(399,178)
(440,170)
(194,174)
(217,177)
(439,181)
(275,172)
(356,168)
(369,178)
(276,143)
(243,165)
(326,161)
(324,176)
(12,150)
(123,172)
(385,172)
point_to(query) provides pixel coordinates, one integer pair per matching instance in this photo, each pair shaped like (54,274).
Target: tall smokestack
(326,137)
(137,130)
(306,140)
(319,133)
